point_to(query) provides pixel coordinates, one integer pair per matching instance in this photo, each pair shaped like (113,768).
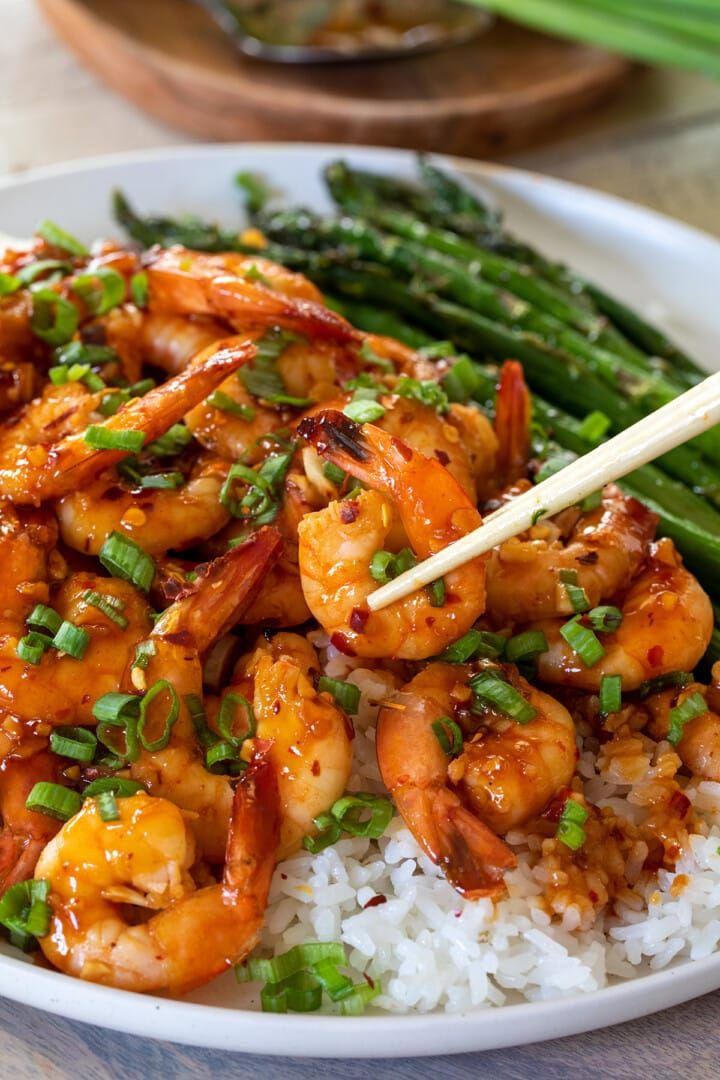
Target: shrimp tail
(471,856)
(222,591)
(331,432)
(24,833)
(512,422)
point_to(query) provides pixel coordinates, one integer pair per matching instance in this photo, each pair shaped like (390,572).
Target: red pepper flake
(442,457)
(283,876)
(358,618)
(679,804)
(593,896)
(341,643)
(655,656)
(402,448)
(315,768)
(375,901)
(349,511)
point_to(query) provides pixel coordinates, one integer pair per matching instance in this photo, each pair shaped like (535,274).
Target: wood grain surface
(506,88)
(659,144)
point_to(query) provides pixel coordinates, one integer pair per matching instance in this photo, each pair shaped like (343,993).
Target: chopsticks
(680,420)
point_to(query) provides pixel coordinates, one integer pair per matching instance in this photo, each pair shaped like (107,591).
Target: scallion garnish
(346,694)
(570,830)
(449,734)
(525,646)
(424,391)
(671,679)
(78,743)
(222,401)
(384,566)
(162,686)
(334,473)
(236,719)
(299,958)
(553,464)
(463,381)
(102,438)
(163,481)
(691,708)
(110,606)
(575,593)
(610,694)
(594,427)
(43,617)
(77,352)
(139,289)
(9,284)
(125,559)
(257,192)
(591,502)
(436,592)
(71,640)
(54,319)
(144,651)
(32,647)
(582,641)
(253,273)
(261,502)
(605,619)
(107,806)
(369,355)
(359,814)
(475,645)
(364,412)
(25,912)
(55,236)
(54,800)
(171,443)
(54,268)
(261,377)
(118,786)
(491,690)
(299,993)
(100,290)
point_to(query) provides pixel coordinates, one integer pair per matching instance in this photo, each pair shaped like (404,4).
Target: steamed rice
(407,928)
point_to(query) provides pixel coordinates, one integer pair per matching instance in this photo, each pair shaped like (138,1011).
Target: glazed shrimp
(24,834)
(157,519)
(31,474)
(337,544)
(604,548)
(184,633)
(170,342)
(513,412)
(309,735)
(699,745)
(667,625)
(184,282)
(97,868)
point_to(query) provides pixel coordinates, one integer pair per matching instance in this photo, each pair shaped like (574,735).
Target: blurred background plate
(507,88)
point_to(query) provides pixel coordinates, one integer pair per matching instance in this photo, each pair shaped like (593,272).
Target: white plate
(667,270)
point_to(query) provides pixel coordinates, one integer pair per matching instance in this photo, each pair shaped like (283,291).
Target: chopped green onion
(171,443)
(538,515)
(384,566)
(141,388)
(144,651)
(139,289)
(257,191)
(162,686)
(78,743)
(336,985)
(351,813)
(329,832)
(107,806)
(334,473)
(195,707)
(672,679)
(102,438)
(112,402)
(9,284)
(54,268)
(364,412)
(54,319)
(43,617)
(554,464)
(100,290)
(163,481)
(54,800)
(369,355)
(125,559)
(299,958)
(594,427)
(118,786)
(489,689)
(261,378)
(223,751)
(76,352)
(437,350)
(261,502)
(591,502)
(605,619)
(691,708)
(575,593)
(449,734)
(300,993)
(354,1004)
(570,826)
(436,592)
(32,647)
(475,645)
(25,912)
(220,400)
(110,606)
(346,694)
(236,707)
(254,274)
(425,391)
(610,694)
(57,237)
(463,381)
(115,708)
(582,641)
(526,646)
(71,640)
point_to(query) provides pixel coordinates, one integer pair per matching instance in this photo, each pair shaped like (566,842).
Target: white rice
(431,950)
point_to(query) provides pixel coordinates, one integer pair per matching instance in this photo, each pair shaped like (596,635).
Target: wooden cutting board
(507,88)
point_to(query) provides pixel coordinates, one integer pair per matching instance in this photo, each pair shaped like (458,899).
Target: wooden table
(659,145)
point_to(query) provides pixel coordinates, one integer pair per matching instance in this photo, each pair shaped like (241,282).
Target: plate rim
(376,1035)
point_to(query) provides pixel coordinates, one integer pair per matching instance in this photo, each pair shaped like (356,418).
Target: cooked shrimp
(97,868)
(667,625)
(604,548)
(24,833)
(513,411)
(414,768)
(28,562)
(309,735)
(699,745)
(31,474)
(187,282)
(337,544)
(170,341)
(157,518)
(184,633)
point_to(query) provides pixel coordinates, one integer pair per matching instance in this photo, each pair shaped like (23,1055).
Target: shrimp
(33,473)
(414,768)
(184,282)
(337,544)
(158,519)
(183,634)
(667,625)
(170,342)
(96,869)
(604,548)
(309,735)
(512,424)
(699,745)
(24,833)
